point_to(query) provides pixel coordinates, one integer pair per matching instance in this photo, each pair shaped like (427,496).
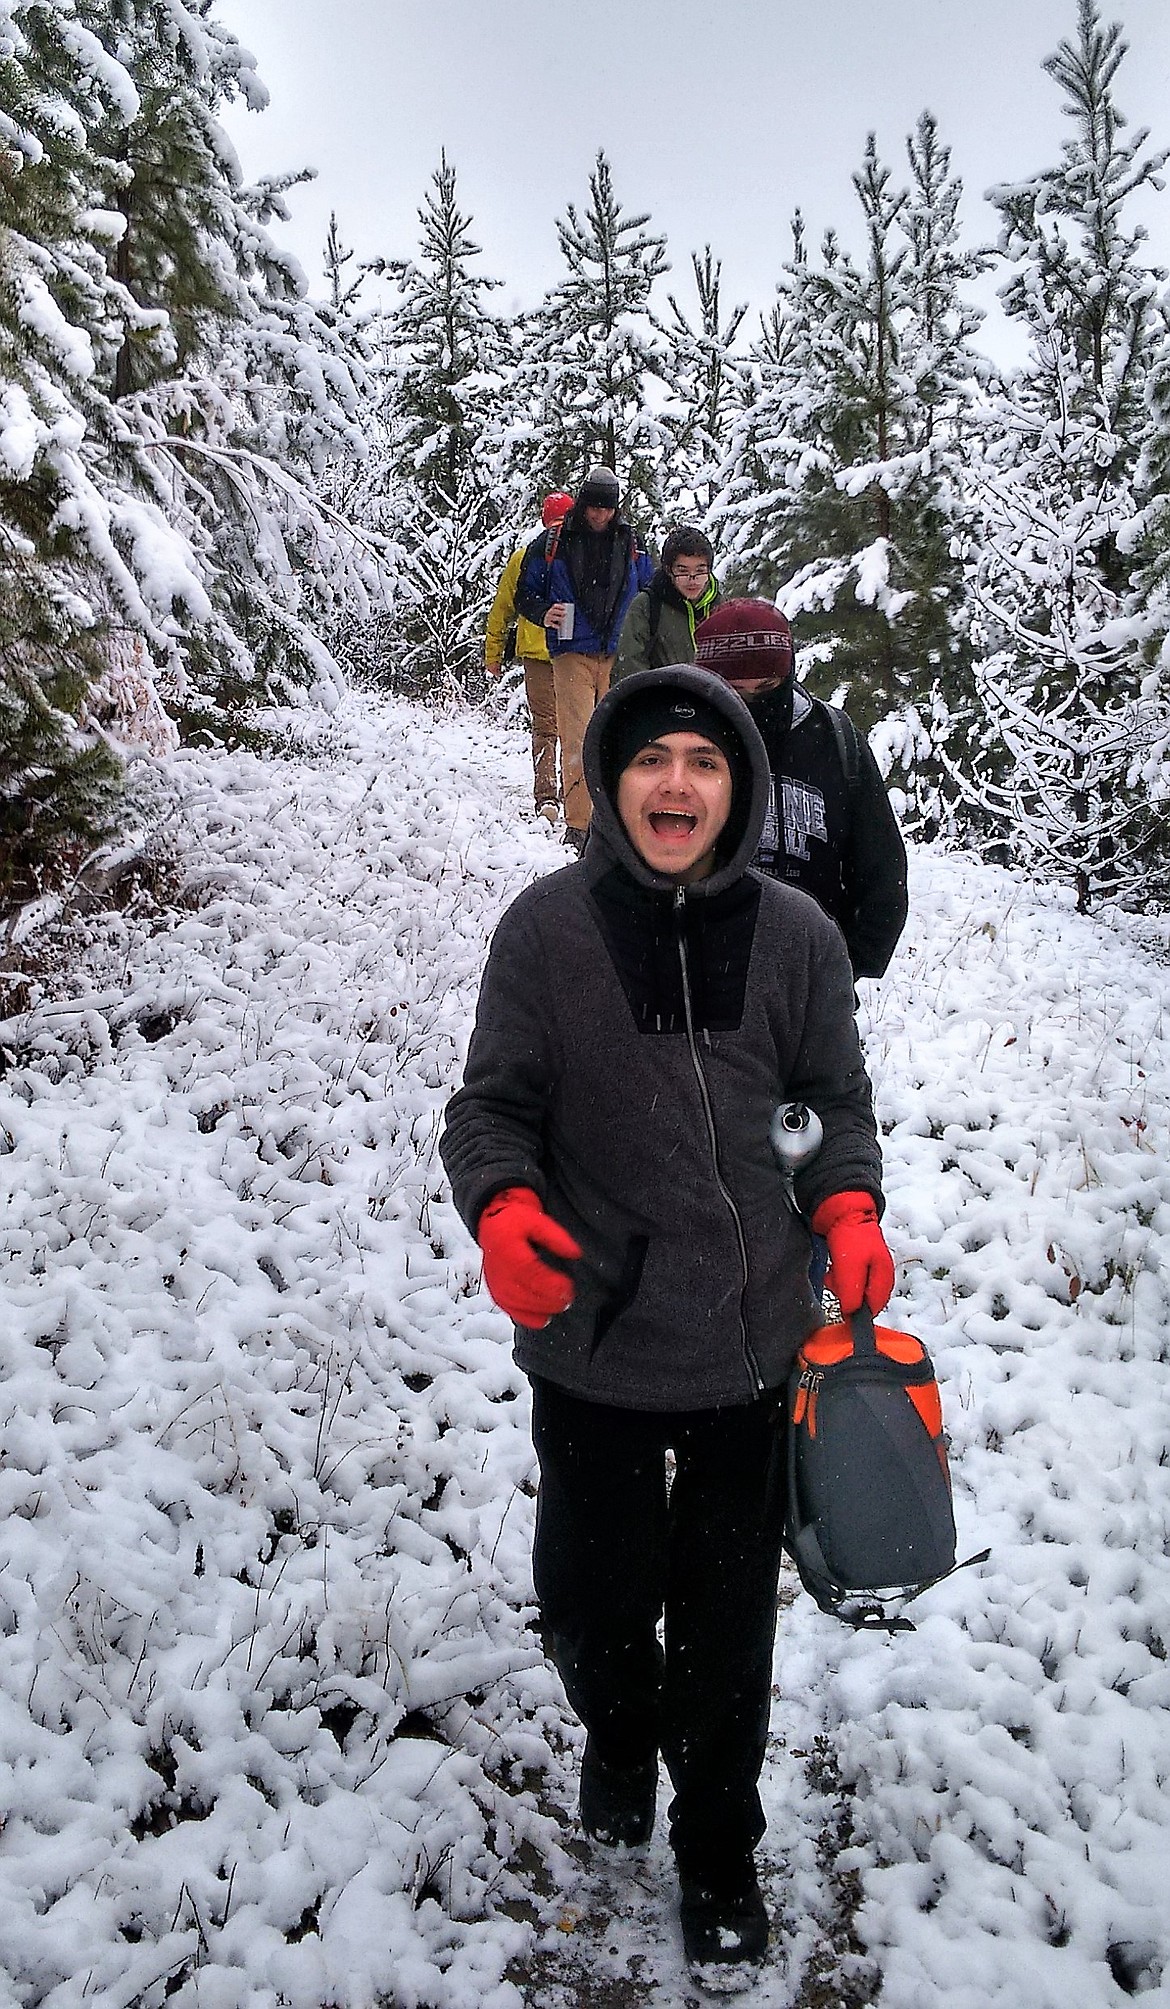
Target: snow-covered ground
(274,1722)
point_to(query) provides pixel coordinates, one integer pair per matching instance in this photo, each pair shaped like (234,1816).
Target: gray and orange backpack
(870,1520)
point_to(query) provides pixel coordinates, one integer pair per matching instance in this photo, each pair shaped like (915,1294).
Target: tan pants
(542,704)
(580,683)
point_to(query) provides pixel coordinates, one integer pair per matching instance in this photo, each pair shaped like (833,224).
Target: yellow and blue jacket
(530,641)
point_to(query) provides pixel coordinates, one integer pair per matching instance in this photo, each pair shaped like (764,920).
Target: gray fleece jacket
(632,1041)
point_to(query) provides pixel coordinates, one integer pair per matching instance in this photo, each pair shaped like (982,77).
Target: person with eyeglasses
(660,626)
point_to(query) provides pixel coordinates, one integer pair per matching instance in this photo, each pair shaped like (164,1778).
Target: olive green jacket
(647,644)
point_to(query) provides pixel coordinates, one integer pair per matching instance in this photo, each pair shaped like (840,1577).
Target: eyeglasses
(690,575)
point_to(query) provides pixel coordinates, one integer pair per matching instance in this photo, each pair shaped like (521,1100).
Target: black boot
(617,1802)
(724,1925)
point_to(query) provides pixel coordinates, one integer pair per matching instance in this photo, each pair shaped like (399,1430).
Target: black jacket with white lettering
(842,845)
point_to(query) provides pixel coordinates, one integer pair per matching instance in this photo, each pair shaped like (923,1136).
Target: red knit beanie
(743,640)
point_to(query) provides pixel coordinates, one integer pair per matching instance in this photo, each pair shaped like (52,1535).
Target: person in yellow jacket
(532,653)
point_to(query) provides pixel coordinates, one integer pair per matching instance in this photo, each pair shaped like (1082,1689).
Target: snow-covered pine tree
(1072,722)
(794,525)
(708,384)
(344,287)
(363,491)
(1145,544)
(237,389)
(443,356)
(764,460)
(838,498)
(931,731)
(445,344)
(63,581)
(837,583)
(180,513)
(593,356)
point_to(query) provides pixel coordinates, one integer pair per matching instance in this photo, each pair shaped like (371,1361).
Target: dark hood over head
(749,804)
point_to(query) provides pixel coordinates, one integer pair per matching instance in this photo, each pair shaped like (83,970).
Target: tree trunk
(124,272)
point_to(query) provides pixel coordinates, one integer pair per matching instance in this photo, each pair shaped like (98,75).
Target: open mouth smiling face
(670,824)
(674,799)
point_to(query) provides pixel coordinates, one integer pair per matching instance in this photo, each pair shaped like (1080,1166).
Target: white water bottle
(797,1134)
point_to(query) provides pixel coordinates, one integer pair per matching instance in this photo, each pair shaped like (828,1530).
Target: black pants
(613,1555)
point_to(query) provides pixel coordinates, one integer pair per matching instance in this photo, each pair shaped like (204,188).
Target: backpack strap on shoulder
(552,538)
(848,742)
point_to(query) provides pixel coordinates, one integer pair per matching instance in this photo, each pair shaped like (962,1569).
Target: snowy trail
(274,1727)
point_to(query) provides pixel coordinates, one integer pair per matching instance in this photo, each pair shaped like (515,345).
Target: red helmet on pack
(555,507)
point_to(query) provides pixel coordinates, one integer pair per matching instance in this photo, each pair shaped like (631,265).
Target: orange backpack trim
(831,1344)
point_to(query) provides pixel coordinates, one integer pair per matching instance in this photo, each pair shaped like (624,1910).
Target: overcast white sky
(719,116)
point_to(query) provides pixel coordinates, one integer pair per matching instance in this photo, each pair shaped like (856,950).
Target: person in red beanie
(532,655)
(830,829)
(642,1015)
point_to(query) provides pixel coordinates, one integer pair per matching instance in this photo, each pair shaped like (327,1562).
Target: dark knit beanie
(655,713)
(599,490)
(743,640)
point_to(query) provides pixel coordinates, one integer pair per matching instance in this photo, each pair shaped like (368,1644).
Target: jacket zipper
(749,1359)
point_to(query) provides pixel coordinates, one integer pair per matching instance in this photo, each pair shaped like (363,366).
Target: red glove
(861,1266)
(513,1229)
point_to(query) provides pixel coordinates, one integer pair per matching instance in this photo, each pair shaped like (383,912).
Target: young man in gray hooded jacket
(642,1015)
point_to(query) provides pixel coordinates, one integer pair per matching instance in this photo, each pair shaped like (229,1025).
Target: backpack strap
(551,541)
(848,741)
(655,613)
